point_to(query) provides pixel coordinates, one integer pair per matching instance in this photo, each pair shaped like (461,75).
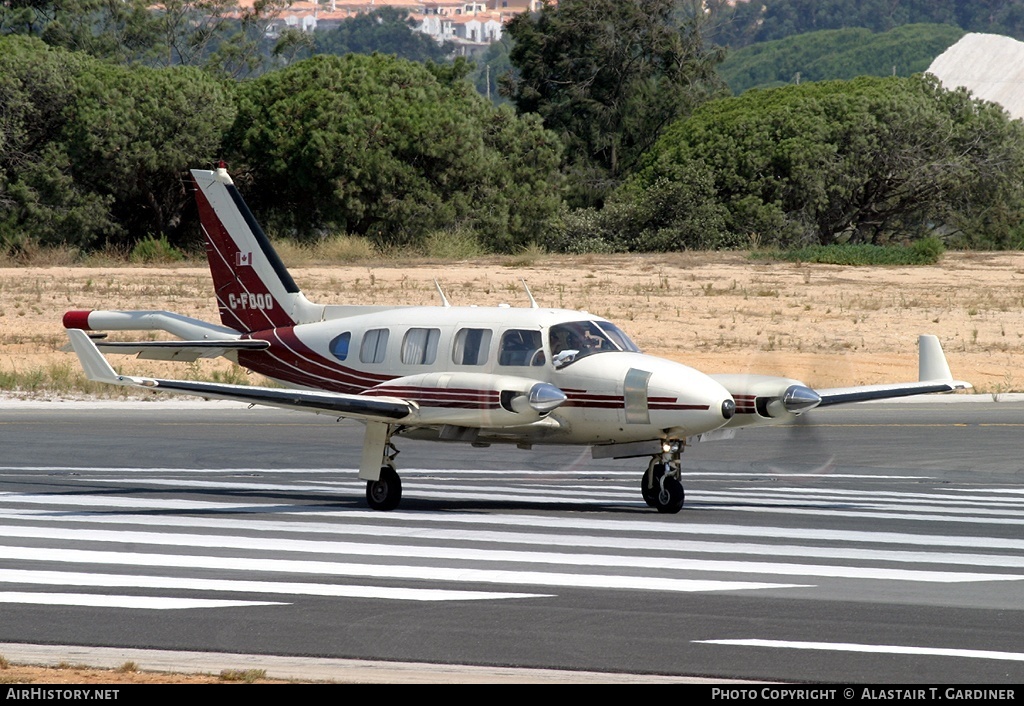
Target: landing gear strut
(383,488)
(660,486)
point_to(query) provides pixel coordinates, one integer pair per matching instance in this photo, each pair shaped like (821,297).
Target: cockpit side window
(578,339)
(521,347)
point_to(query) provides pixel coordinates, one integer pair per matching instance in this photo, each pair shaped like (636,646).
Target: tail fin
(254,290)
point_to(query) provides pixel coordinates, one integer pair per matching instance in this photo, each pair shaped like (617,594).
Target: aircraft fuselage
(447,359)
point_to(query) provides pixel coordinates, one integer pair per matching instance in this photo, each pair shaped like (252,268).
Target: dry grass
(127,673)
(719,312)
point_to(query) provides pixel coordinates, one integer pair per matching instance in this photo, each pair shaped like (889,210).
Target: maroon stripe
(437,390)
(308,358)
(464,405)
(593,405)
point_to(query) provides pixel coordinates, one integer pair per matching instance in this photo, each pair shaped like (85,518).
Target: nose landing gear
(660,486)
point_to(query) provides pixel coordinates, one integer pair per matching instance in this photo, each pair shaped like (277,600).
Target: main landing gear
(383,488)
(386,492)
(661,486)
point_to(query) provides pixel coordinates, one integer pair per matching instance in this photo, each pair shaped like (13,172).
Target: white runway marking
(62,578)
(579,541)
(874,649)
(113,601)
(503,557)
(390,571)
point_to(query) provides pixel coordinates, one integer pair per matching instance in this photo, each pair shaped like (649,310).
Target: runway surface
(880,543)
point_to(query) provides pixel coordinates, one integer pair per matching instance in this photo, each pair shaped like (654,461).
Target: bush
(151,250)
(926,251)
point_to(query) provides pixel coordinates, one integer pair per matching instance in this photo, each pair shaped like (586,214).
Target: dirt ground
(81,674)
(719,312)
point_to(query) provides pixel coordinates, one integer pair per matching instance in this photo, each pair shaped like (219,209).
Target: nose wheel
(661,487)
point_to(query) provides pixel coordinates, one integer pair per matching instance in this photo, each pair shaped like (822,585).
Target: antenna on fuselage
(533,302)
(444,299)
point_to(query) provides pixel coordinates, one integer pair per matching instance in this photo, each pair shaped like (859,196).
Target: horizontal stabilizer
(185,351)
(388,409)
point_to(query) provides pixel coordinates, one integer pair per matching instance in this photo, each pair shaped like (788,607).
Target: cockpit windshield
(578,339)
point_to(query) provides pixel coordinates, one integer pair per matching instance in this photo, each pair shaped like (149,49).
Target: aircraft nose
(701,403)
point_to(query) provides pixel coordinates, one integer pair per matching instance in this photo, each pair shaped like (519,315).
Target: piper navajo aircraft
(478,375)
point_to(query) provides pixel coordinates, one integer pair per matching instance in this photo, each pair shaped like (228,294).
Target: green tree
(132,134)
(388,30)
(218,35)
(378,146)
(608,76)
(838,54)
(490,67)
(867,161)
(743,23)
(92,152)
(39,201)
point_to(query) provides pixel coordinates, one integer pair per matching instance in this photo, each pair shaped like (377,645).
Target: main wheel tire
(386,492)
(650,483)
(670,498)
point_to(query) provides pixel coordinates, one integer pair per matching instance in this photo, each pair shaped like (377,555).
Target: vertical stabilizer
(254,290)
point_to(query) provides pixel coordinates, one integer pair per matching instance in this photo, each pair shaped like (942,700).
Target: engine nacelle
(478,400)
(765,397)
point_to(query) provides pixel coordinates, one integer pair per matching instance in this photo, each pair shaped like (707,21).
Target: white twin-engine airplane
(476,375)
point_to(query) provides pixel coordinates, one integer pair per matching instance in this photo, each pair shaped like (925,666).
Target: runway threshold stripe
(627,544)
(940,501)
(874,649)
(106,601)
(379,571)
(70,578)
(937,555)
(927,514)
(399,522)
(503,557)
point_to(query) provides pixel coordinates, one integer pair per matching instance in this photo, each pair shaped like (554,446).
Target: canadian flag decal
(243,259)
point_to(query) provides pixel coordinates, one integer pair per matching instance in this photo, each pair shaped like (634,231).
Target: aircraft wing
(384,409)
(843,395)
(933,376)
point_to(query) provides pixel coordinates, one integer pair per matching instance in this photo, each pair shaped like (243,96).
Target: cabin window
(521,347)
(339,345)
(375,345)
(472,346)
(420,346)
